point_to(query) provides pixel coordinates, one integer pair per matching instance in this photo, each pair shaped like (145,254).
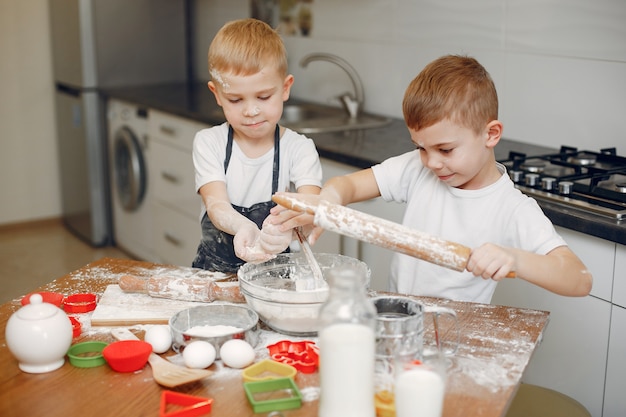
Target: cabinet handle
(173,240)
(170,177)
(167,130)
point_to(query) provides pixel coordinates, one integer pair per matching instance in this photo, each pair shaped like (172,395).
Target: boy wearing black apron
(240,164)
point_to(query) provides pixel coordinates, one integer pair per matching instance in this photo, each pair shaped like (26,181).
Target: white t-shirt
(499,214)
(249,180)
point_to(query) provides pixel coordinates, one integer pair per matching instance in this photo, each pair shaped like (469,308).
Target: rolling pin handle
(131,283)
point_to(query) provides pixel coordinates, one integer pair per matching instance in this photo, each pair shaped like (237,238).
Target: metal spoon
(306,283)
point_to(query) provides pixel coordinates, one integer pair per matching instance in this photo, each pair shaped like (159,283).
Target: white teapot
(39,335)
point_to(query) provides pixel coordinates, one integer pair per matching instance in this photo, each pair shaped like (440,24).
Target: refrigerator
(99,44)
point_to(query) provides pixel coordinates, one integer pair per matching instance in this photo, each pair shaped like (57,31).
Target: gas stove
(585,180)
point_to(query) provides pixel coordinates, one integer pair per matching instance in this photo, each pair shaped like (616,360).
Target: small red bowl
(47,297)
(127,355)
(80,303)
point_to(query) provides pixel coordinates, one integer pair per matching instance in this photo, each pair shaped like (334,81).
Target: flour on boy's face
(219,79)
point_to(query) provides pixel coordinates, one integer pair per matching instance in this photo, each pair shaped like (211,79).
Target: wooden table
(496,345)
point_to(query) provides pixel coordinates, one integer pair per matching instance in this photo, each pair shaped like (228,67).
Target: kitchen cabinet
(614,398)
(619,278)
(599,257)
(171,175)
(572,358)
(377,258)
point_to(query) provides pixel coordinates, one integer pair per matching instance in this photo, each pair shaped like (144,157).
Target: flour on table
(211,331)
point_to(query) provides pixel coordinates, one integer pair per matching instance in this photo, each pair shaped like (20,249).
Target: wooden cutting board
(117,308)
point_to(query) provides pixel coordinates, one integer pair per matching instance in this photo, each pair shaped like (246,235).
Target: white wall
(559,65)
(29,178)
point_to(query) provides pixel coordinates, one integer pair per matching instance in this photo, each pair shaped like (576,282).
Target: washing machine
(132,205)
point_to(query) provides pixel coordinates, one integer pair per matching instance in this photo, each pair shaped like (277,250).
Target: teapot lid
(37,309)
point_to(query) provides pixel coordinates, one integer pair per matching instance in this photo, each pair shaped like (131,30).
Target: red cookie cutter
(188,405)
(80,303)
(303,355)
(47,297)
(76,326)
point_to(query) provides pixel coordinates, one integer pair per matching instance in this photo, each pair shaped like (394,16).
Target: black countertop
(359,148)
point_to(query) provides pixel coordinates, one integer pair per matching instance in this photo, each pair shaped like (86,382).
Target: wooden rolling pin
(383,233)
(186,289)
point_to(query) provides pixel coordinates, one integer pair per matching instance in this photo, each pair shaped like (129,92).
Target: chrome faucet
(352,103)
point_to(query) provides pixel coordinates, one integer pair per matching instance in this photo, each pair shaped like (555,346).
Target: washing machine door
(129,168)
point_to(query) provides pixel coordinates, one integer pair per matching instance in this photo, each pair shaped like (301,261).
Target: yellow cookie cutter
(268,369)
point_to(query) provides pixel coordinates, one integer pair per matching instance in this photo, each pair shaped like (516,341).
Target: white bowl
(270,289)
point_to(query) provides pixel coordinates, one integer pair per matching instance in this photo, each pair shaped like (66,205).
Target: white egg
(199,354)
(237,353)
(159,337)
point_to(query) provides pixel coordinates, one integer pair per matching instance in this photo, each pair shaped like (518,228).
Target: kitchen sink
(305,118)
(317,118)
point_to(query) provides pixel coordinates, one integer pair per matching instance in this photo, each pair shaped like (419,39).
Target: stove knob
(532,179)
(547,183)
(516,176)
(565,187)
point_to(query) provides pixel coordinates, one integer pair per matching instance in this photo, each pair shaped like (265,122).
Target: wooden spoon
(165,372)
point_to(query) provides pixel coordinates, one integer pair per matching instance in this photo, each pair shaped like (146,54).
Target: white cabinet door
(598,256)
(572,356)
(331,242)
(175,131)
(619,279)
(577,326)
(378,259)
(176,236)
(171,176)
(614,397)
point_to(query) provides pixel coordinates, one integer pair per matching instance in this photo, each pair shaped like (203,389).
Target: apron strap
(276,165)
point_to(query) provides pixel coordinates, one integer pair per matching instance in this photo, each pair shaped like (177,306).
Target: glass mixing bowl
(285,305)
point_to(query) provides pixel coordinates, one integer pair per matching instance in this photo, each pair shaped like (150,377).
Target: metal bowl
(240,316)
(270,289)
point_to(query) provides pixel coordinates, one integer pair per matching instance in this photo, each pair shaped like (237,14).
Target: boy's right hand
(247,244)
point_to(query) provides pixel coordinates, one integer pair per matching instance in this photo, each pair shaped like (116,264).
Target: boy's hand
(490,261)
(288,219)
(247,244)
(272,239)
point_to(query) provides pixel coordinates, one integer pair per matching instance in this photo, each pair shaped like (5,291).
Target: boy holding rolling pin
(454,189)
(241,163)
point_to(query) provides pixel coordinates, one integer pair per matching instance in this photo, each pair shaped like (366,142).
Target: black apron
(216,251)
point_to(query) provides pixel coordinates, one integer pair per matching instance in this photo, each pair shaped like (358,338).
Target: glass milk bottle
(346,341)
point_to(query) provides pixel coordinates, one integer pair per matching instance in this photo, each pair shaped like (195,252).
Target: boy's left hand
(272,239)
(490,261)
(247,244)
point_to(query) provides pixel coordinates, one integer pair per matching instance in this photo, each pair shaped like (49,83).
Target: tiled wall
(559,65)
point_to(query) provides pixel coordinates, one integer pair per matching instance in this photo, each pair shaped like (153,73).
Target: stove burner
(583,159)
(589,181)
(533,166)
